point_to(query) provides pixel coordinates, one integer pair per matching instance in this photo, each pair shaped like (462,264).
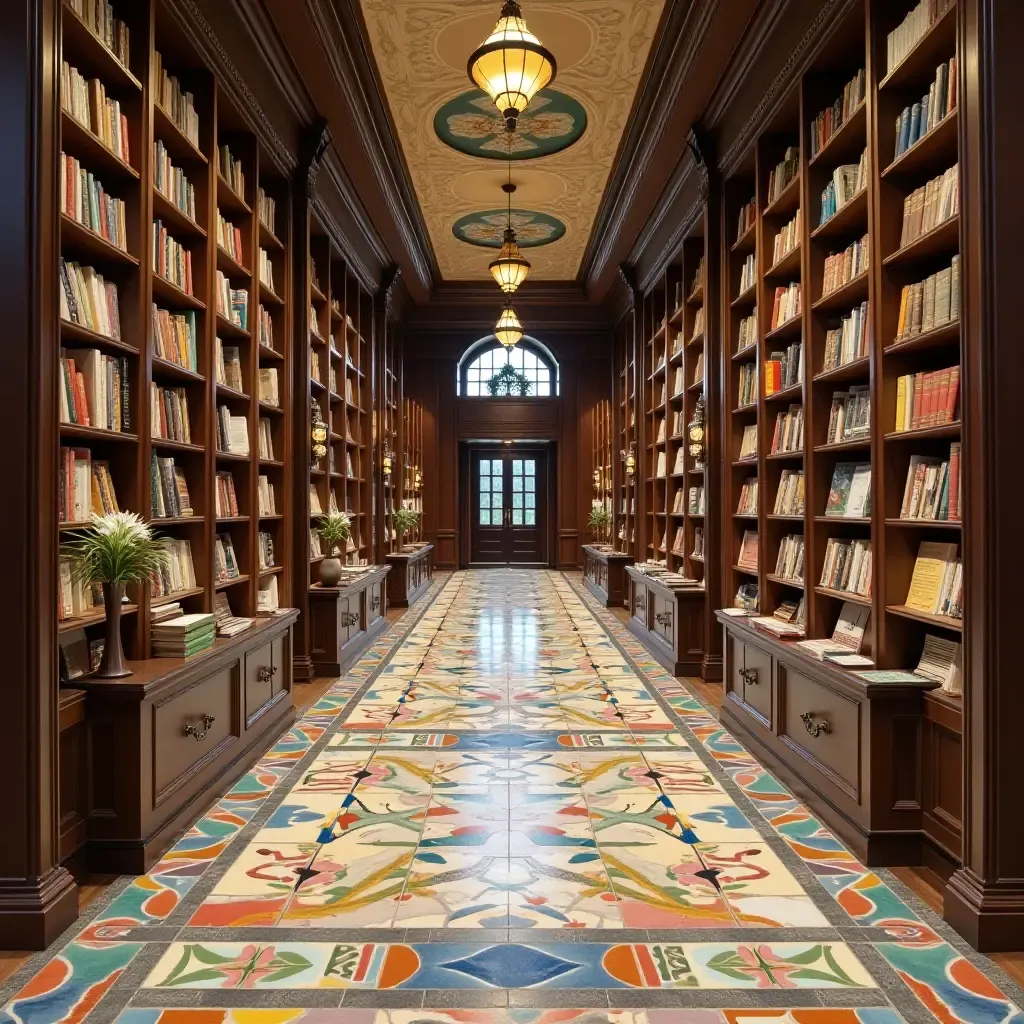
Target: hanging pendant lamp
(510,269)
(508,330)
(511,65)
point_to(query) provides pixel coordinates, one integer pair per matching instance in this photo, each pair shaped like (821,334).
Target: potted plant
(115,550)
(599,520)
(334,528)
(403,519)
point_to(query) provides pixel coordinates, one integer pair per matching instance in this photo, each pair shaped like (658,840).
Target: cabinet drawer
(757,682)
(663,619)
(374,602)
(641,598)
(191,728)
(258,681)
(823,726)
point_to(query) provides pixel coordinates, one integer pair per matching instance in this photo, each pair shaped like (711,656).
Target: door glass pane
(517,517)
(531,467)
(531,500)
(517,466)
(496,469)
(531,483)
(485,483)
(517,501)
(531,517)
(517,483)
(496,500)
(485,517)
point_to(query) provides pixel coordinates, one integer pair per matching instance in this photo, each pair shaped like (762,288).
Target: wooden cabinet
(852,750)
(943,781)
(164,741)
(73,807)
(604,575)
(411,573)
(669,622)
(344,621)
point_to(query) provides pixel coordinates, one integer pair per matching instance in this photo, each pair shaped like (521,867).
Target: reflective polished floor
(508,814)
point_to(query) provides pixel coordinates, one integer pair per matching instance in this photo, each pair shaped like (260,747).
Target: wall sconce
(387,460)
(317,433)
(695,432)
(629,459)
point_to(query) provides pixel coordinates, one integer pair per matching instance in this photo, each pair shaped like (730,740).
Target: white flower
(128,524)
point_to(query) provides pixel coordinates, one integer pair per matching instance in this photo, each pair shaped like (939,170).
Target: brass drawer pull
(374,603)
(266,674)
(813,727)
(664,618)
(198,732)
(749,675)
(349,618)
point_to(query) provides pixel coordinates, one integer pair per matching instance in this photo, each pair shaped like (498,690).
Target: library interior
(513,515)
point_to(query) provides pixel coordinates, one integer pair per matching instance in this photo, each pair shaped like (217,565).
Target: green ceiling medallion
(472,124)
(486,228)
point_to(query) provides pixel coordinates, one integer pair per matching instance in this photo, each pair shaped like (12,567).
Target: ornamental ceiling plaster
(421,48)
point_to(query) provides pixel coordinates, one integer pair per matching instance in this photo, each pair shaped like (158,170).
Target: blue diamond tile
(512,966)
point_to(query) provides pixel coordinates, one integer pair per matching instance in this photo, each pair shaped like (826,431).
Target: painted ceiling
(453,137)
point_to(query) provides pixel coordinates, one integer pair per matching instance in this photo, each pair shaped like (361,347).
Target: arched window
(485,359)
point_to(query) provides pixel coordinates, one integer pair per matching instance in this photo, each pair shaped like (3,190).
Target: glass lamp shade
(510,270)
(511,65)
(508,330)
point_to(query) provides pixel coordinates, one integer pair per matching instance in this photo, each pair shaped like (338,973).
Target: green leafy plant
(118,549)
(509,381)
(404,519)
(599,519)
(334,527)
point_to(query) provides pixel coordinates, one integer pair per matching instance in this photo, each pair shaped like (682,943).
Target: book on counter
(227,623)
(184,636)
(787,622)
(941,662)
(846,639)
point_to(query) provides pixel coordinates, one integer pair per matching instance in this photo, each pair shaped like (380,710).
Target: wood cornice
(341,33)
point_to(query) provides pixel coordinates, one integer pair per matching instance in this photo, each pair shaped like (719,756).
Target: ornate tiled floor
(507,814)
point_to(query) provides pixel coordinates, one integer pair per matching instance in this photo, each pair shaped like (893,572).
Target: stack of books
(184,636)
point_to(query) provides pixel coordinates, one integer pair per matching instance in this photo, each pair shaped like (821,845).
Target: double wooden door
(508,507)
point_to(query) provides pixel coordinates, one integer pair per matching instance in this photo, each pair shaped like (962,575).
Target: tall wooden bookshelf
(206,212)
(870,797)
(627,438)
(412,463)
(601,455)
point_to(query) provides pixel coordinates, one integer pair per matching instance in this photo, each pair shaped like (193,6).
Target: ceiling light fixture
(511,65)
(510,269)
(508,330)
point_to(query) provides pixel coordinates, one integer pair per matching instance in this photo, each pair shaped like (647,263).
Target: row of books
(175,339)
(842,267)
(790,561)
(265,550)
(787,239)
(930,303)
(747,385)
(698,543)
(747,216)
(232,432)
(914,27)
(788,435)
(87,102)
(930,205)
(266,328)
(679,541)
(698,325)
(748,274)
(225,562)
(266,268)
(748,443)
(75,597)
(849,495)
(932,490)
(170,181)
(184,636)
(917,119)
(266,209)
(229,367)
(784,369)
(786,305)
(177,572)
(937,583)
(168,414)
(169,497)
(850,341)
(224,496)
(747,503)
(789,498)
(847,566)
(85,487)
(849,417)
(848,180)
(928,399)
(88,300)
(85,201)
(232,303)
(171,260)
(748,556)
(176,102)
(229,238)
(94,389)
(111,31)
(230,168)
(747,334)
(832,118)
(783,173)
(266,499)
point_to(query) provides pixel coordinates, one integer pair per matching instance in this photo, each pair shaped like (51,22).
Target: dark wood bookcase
(624,408)
(884,745)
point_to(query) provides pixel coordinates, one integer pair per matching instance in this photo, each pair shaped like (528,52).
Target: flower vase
(330,571)
(112,665)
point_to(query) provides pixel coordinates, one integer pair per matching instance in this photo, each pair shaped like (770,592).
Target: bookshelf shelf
(951,430)
(787,202)
(849,219)
(166,293)
(228,199)
(272,354)
(934,151)
(746,298)
(844,595)
(845,296)
(74,332)
(846,142)
(942,621)
(856,444)
(786,394)
(178,144)
(179,446)
(947,334)
(231,267)
(747,241)
(180,224)
(164,367)
(95,618)
(74,430)
(785,581)
(787,266)
(91,150)
(943,238)
(847,371)
(938,43)
(235,581)
(93,55)
(80,239)
(927,524)
(228,329)
(792,328)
